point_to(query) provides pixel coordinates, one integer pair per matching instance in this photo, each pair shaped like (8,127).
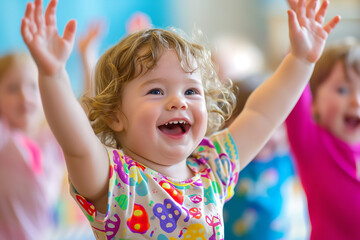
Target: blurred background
(259,28)
(260,24)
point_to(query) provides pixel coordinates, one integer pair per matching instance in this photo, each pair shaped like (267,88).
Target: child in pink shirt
(324,134)
(31,162)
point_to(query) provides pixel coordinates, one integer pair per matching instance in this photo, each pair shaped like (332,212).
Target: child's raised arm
(270,103)
(87,46)
(84,153)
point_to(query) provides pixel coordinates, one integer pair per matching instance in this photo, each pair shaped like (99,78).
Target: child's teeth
(175,122)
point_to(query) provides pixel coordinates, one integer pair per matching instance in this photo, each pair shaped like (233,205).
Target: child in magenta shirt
(324,133)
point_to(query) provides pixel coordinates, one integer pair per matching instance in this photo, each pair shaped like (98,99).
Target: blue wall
(115,13)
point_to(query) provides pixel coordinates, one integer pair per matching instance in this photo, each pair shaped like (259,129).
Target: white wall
(264,22)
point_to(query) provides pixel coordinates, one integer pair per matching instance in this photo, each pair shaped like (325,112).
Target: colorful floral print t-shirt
(144,204)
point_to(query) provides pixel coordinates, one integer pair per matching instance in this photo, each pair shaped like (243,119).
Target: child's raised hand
(91,36)
(40,34)
(307,33)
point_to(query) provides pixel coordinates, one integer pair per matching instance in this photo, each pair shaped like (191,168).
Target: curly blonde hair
(117,66)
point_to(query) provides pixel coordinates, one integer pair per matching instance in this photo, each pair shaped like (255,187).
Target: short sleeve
(219,154)
(229,165)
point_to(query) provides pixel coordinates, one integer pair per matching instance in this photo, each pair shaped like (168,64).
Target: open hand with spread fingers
(39,31)
(307,33)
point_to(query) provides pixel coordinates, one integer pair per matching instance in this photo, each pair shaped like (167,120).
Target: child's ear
(117,121)
(314,112)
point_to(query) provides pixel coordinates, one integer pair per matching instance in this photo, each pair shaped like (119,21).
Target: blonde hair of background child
(9,60)
(119,65)
(347,51)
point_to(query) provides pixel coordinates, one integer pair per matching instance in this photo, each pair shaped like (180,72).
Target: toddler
(324,134)
(31,162)
(142,167)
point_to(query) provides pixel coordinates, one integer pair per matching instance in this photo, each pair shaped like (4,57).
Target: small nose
(22,95)
(356,99)
(176,103)
(27,95)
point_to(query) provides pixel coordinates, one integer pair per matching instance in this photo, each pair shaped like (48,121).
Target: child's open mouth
(352,122)
(175,128)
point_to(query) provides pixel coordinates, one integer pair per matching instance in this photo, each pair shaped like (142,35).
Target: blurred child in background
(31,162)
(324,134)
(35,200)
(262,207)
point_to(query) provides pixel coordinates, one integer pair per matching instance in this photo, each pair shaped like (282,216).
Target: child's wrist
(302,60)
(52,73)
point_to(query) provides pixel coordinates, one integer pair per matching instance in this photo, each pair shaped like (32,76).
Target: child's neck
(179,171)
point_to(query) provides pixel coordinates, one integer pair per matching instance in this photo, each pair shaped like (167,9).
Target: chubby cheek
(330,115)
(201,117)
(143,123)
(7,108)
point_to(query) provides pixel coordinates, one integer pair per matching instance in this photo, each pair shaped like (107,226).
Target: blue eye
(190,92)
(155,91)
(342,90)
